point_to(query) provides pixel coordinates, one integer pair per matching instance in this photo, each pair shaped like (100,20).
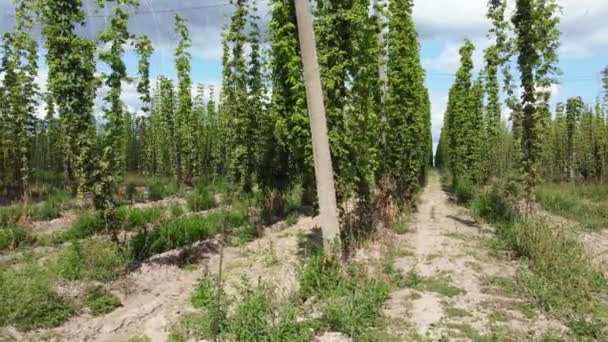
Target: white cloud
(448,60)
(583,26)
(438,107)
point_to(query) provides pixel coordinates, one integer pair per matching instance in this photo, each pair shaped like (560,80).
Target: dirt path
(456,288)
(596,244)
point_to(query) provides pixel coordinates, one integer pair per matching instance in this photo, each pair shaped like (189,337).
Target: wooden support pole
(326,190)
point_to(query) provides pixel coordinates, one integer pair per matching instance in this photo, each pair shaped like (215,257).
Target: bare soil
(449,247)
(156,294)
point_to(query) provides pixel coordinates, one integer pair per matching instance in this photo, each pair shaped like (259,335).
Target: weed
(187,230)
(9,216)
(453,311)
(270,255)
(100,301)
(587,205)
(291,220)
(558,275)
(493,207)
(357,310)
(458,236)
(401,223)
(139,339)
(91,259)
(201,199)
(195,324)
(131,218)
(56,202)
(13,237)
(502,286)
(87,224)
(388,267)
(463,189)
(205,292)
(253,315)
(28,300)
(438,284)
(161,188)
(351,300)
(131,191)
(320,276)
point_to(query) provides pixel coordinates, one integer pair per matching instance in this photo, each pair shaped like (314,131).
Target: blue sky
(442,26)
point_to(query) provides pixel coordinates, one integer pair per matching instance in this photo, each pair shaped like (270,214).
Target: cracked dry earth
(464,289)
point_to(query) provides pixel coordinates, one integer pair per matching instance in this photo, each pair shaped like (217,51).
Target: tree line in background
(476,145)
(257,135)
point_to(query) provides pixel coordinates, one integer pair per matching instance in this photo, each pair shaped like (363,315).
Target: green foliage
(144,50)
(72,83)
(495,57)
(185,124)
(405,120)
(537,40)
(19,66)
(100,301)
(287,156)
(91,259)
(28,300)
(462,135)
(244,96)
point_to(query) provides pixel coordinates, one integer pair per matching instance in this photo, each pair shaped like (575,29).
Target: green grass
(201,198)
(586,204)
(291,220)
(10,215)
(14,237)
(87,224)
(51,208)
(557,275)
(438,284)
(351,300)
(90,223)
(205,292)
(92,259)
(132,218)
(159,189)
(463,190)
(184,231)
(348,299)
(401,224)
(100,301)
(28,300)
